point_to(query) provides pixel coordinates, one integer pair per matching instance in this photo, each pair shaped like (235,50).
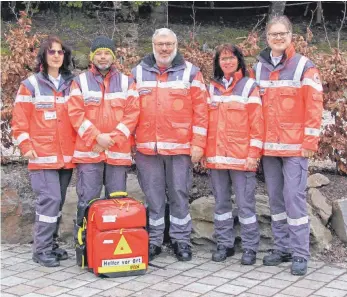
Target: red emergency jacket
(236,126)
(101,104)
(292,103)
(40,122)
(173,104)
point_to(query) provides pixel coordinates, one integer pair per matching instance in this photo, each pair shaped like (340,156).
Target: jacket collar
(66,79)
(218,82)
(264,55)
(149,63)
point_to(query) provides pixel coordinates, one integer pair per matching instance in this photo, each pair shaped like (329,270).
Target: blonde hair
(281,19)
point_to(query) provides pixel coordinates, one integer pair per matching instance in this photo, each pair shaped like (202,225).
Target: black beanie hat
(102,42)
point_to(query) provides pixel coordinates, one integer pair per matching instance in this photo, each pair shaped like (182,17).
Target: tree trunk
(276,8)
(319,12)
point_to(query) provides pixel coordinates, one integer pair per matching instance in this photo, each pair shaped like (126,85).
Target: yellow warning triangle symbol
(122,247)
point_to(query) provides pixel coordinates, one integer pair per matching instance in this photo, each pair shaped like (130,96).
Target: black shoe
(222,253)
(59,253)
(154,250)
(276,257)
(183,251)
(299,266)
(47,259)
(248,257)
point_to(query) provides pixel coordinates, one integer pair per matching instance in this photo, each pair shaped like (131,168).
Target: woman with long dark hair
(234,143)
(42,130)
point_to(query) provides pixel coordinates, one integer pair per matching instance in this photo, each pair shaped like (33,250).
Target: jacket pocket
(117,109)
(182,130)
(288,101)
(291,133)
(44,145)
(237,117)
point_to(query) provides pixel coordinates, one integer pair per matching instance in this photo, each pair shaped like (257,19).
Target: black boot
(182,251)
(46,258)
(248,257)
(276,257)
(154,250)
(60,253)
(222,253)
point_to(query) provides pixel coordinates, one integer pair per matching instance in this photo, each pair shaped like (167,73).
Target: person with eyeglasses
(292,96)
(234,144)
(45,136)
(104,110)
(170,136)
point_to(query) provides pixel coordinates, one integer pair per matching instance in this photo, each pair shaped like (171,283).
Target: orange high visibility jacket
(292,97)
(40,122)
(173,105)
(103,105)
(236,125)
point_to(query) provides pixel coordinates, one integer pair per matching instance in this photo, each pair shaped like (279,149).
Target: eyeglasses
(280,34)
(162,44)
(227,59)
(52,52)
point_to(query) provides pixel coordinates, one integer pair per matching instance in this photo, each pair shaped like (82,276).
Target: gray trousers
(50,187)
(286,179)
(92,176)
(244,184)
(156,173)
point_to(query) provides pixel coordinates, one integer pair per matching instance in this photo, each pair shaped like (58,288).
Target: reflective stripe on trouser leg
(223,220)
(295,180)
(64,179)
(151,175)
(89,185)
(46,186)
(115,178)
(179,174)
(244,183)
(274,184)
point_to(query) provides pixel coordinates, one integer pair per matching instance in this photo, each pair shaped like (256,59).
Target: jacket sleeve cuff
(25,146)
(312,145)
(254,152)
(199,141)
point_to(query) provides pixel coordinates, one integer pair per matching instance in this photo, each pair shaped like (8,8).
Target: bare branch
(12,8)
(312,16)
(325,30)
(259,22)
(194,21)
(101,23)
(342,23)
(115,6)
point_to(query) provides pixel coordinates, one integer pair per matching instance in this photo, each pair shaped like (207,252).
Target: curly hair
(41,59)
(227,47)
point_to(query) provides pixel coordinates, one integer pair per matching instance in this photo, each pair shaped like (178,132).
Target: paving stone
(117,292)
(52,290)
(66,295)
(165,259)
(22,267)
(68,262)
(227,274)
(285,275)
(331,270)
(199,288)
(276,283)
(20,290)
(75,270)
(256,275)
(13,281)
(181,293)
(85,292)
(7,295)
(13,260)
(296,291)
(330,292)
(181,279)
(60,275)
(231,289)
(166,272)
(198,261)
(72,283)
(121,280)
(315,264)
(34,295)
(134,285)
(215,294)
(41,282)
(245,282)
(49,269)
(343,277)
(102,284)
(149,293)
(287,264)
(27,256)
(337,284)
(263,291)
(198,273)
(7,254)
(240,268)
(211,266)
(166,287)
(269,269)
(213,280)
(149,279)
(6,273)
(321,277)
(181,266)
(309,284)
(246,294)
(88,277)
(203,254)
(31,274)
(24,248)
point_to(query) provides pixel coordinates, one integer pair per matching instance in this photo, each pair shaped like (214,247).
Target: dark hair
(41,58)
(227,47)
